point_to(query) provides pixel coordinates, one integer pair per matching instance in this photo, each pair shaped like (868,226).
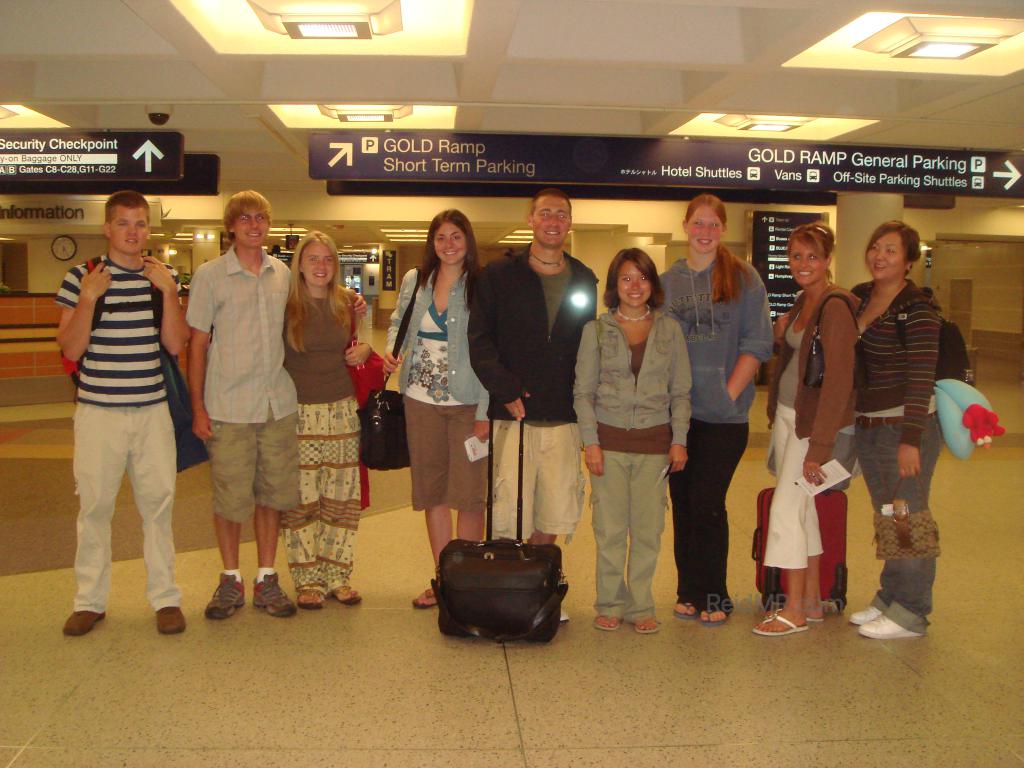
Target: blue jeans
(905,595)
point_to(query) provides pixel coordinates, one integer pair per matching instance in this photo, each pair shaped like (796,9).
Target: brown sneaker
(269,596)
(229,596)
(170,620)
(82,622)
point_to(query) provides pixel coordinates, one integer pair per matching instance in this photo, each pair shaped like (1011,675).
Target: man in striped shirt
(122,421)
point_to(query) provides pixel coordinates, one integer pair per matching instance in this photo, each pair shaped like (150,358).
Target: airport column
(206,249)
(857,215)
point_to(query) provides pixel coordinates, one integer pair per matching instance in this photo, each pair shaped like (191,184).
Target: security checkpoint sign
(99,156)
(551,159)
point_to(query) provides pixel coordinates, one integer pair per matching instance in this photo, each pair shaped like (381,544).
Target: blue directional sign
(99,156)
(548,159)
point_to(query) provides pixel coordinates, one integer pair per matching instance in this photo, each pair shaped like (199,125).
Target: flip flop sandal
(686,616)
(425,600)
(642,628)
(709,622)
(791,628)
(347,596)
(616,622)
(816,619)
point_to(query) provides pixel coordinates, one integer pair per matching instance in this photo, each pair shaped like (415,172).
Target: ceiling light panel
(15,116)
(325,116)
(896,42)
(769,126)
(427,27)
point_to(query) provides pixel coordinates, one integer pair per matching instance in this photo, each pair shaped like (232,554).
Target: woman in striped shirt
(897,438)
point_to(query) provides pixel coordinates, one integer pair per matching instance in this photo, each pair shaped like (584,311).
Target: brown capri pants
(441,471)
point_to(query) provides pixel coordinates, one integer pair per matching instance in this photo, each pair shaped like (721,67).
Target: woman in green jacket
(632,401)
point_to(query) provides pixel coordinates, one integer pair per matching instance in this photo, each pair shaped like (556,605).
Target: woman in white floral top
(445,404)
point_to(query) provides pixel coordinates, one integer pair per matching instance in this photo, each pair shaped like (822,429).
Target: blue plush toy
(966,417)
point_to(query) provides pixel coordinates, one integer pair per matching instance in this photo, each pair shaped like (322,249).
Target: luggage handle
(518,546)
(552,604)
(489,534)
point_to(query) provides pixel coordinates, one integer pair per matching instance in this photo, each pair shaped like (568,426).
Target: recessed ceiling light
(324,20)
(389,230)
(890,42)
(769,126)
(20,116)
(772,123)
(944,50)
(365,114)
(940,37)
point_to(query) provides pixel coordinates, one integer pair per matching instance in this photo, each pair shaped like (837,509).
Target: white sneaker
(863,617)
(564,617)
(884,628)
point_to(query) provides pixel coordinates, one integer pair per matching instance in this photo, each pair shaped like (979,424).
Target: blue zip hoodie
(716,335)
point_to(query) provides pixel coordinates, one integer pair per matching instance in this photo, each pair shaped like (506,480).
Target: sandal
(426,599)
(791,628)
(689,612)
(648,626)
(707,621)
(309,599)
(607,623)
(347,596)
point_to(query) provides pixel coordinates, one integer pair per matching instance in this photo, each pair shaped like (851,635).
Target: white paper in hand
(833,472)
(476,448)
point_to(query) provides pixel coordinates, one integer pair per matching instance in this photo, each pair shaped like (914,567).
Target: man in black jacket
(524,331)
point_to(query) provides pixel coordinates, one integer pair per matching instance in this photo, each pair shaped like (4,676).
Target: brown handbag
(906,535)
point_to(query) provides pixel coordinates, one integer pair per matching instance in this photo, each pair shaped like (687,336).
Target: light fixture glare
(944,50)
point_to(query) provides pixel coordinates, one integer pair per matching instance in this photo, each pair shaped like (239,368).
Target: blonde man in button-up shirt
(244,401)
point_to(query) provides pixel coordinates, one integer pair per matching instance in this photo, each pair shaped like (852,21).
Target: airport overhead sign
(32,156)
(554,159)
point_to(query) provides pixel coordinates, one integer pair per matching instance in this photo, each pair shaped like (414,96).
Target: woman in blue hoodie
(721,304)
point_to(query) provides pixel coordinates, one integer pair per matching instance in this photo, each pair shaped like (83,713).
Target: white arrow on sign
(149,150)
(344,152)
(1012,174)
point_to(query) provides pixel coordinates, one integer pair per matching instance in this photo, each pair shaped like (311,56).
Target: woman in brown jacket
(805,422)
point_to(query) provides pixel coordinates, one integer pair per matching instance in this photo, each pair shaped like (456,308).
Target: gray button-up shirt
(245,373)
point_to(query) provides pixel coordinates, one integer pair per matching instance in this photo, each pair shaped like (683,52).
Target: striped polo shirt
(121,365)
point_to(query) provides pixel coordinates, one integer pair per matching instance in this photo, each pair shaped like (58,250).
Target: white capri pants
(793,533)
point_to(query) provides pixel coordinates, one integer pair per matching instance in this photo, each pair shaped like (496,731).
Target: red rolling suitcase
(831,506)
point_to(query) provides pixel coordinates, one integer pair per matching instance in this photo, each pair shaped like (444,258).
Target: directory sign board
(768,242)
(706,163)
(95,156)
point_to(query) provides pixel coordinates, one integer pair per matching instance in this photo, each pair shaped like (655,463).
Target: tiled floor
(377,685)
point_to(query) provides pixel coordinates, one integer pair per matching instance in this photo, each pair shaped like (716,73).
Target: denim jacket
(607,392)
(463,383)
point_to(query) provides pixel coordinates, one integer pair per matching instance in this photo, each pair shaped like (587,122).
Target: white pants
(553,481)
(793,533)
(109,441)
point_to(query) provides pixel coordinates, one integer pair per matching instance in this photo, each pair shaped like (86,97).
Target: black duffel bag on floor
(500,589)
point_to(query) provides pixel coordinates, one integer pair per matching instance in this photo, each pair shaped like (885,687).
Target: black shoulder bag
(382,439)
(814,373)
